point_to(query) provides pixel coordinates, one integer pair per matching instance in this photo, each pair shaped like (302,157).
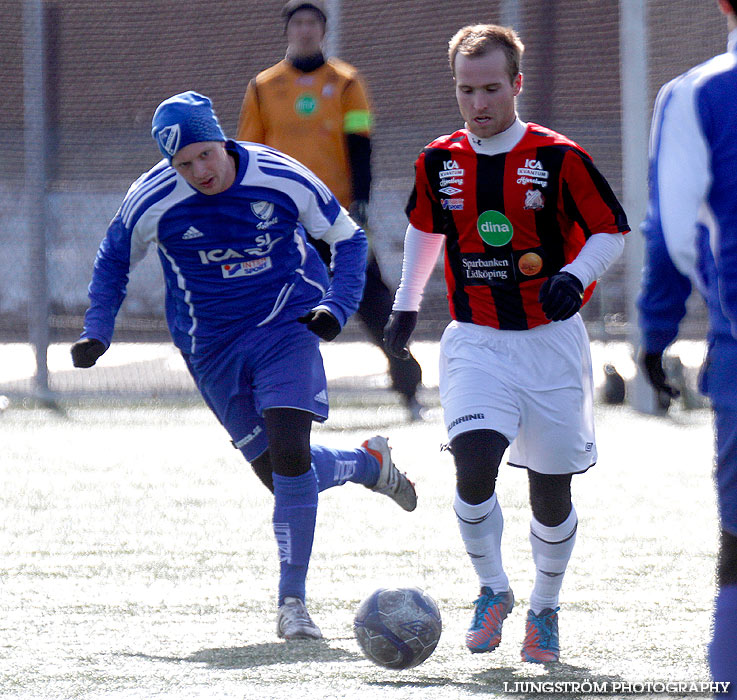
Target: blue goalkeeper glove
(561,296)
(397,331)
(86,352)
(322,323)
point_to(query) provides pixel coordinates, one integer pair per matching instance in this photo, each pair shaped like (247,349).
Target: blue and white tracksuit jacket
(233,261)
(691,236)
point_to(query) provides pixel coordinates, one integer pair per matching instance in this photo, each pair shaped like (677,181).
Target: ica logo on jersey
(532,173)
(264,245)
(450,169)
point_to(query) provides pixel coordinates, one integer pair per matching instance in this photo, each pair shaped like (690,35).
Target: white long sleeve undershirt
(421,252)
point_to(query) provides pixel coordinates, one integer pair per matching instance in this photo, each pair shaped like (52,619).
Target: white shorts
(534,387)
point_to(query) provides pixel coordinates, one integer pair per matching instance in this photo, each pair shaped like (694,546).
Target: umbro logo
(191,233)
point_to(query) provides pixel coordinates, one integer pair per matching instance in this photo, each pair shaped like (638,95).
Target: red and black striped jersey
(510,220)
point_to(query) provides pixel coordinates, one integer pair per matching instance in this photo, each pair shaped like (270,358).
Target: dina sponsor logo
(494,228)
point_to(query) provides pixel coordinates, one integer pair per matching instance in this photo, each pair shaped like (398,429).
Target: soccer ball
(398,627)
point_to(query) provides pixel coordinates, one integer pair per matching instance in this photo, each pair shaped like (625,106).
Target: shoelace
(482,603)
(544,624)
(300,614)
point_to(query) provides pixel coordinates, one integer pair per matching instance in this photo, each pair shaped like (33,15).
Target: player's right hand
(561,296)
(652,364)
(322,323)
(85,352)
(397,331)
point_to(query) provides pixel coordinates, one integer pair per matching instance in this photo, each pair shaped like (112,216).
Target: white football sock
(481,528)
(551,550)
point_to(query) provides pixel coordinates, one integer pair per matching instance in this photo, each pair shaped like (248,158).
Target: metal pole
(332,36)
(635,130)
(510,15)
(35,186)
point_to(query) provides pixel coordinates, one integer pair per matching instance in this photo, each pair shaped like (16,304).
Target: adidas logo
(190,233)
(321,396)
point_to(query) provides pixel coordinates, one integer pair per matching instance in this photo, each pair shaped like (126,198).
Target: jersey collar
(499,143)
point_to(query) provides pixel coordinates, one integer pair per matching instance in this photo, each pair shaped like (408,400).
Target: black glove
(652,364)
(359,212)
(85,352)
(397,331)
(561,296)
(322,323)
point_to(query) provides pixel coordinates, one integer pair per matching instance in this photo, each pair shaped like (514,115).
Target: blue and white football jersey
(232,261)
(691,224)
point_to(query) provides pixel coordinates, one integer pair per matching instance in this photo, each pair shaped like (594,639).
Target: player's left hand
(561,296)
(322,323)
(87,351)
(397,331)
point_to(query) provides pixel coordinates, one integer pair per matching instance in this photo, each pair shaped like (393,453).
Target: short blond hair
(481,39)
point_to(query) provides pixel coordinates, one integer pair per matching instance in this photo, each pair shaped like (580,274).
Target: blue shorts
(278,366)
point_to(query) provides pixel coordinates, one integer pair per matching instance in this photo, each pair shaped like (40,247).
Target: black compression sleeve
(359,155)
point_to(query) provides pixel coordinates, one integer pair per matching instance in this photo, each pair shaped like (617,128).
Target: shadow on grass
(555,679)
(256,655)
(508,681)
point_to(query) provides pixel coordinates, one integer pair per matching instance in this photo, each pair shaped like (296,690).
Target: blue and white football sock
(551,550)
(722,656)
(336,467)
(295,512)
(481,529)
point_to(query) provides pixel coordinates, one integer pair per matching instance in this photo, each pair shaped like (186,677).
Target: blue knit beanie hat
(183,119)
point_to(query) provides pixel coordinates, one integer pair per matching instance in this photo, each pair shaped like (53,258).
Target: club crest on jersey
(264,210)
(533,173)
(534,199)
(247,268)
(451,169)
(169,138)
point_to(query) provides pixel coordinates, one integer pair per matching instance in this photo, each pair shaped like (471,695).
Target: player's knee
(263,470)
(477,455)
(727,567)
(289,440)
(290,459)
(550,497)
